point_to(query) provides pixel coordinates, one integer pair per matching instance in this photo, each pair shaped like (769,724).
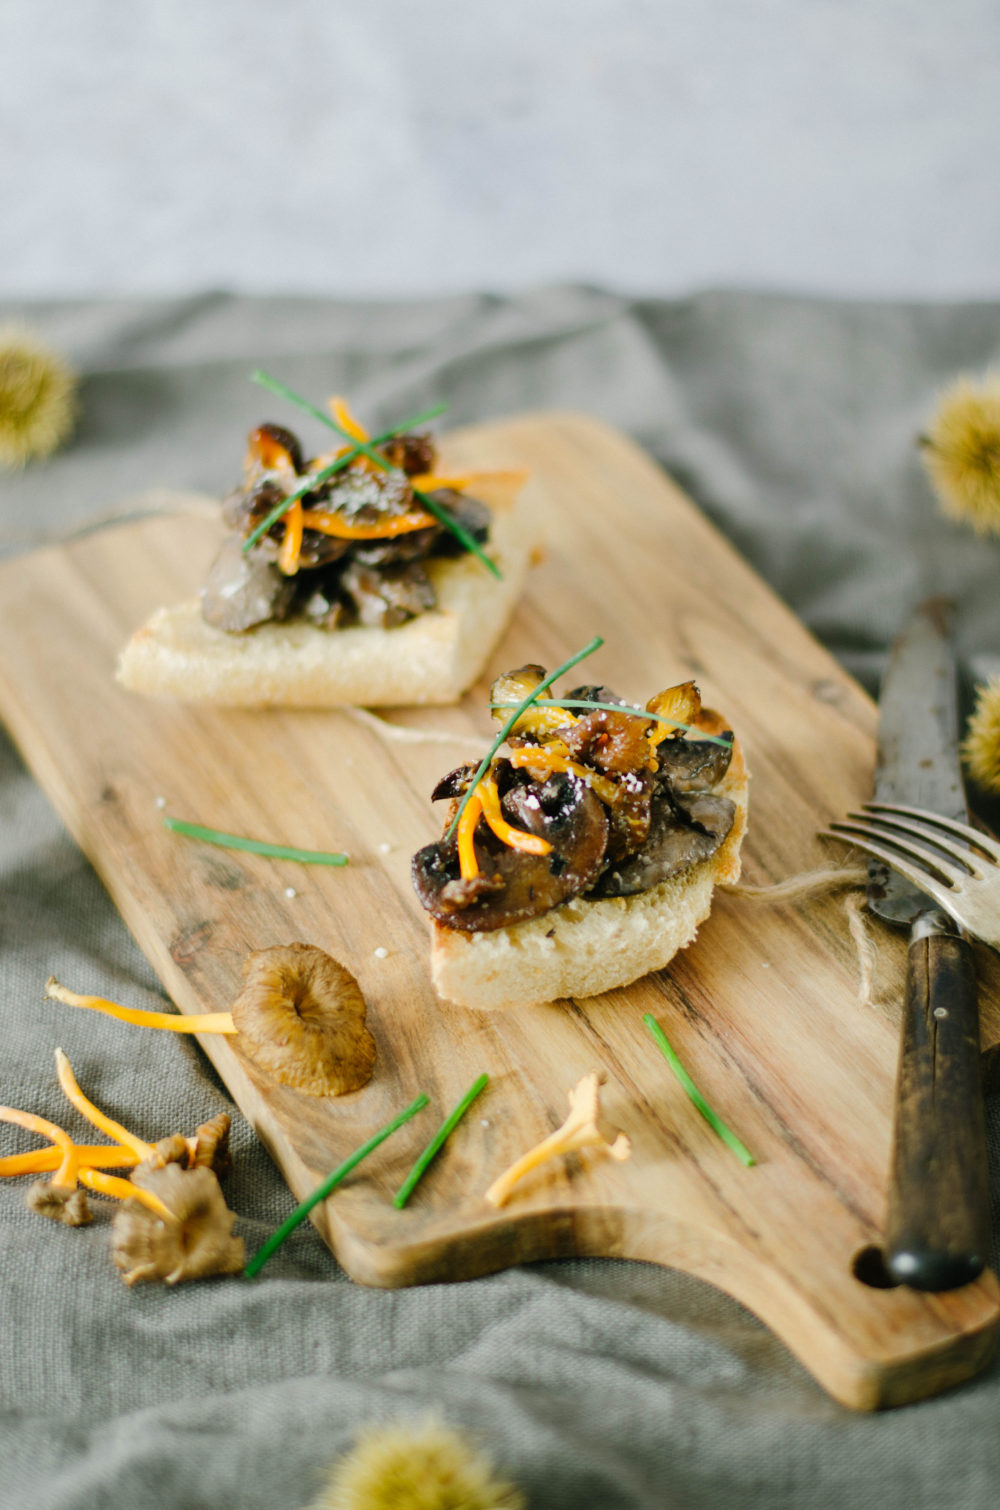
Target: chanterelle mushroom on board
(301,1017)
(580,1130)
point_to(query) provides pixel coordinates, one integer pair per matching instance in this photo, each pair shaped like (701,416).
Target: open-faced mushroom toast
(586,855)
(363,575)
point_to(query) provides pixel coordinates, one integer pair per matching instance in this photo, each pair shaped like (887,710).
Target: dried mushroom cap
(199,1240)
(59,1203)
(301,1017)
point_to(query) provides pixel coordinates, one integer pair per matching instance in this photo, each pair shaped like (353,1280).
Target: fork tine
(862,839)
(965,831)
(857,823)
(890,825)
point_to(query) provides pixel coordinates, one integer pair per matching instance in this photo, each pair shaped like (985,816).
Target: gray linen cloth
(616,1385)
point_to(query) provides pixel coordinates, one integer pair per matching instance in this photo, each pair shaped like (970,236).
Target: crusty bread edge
(582,947)
(430,660)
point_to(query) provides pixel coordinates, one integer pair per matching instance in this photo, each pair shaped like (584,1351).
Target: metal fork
(963,878)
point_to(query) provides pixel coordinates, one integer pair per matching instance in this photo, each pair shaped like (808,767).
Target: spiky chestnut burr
(961,452)
(37,397)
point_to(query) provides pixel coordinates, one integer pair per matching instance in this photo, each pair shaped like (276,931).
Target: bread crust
(584,947)
(431,659)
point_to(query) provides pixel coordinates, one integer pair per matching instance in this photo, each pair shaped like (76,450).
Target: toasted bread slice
(430,659)
(583,947)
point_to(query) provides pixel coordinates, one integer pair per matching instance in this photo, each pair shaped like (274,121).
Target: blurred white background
(390,148)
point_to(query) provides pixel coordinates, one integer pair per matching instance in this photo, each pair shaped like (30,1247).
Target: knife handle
(939,1228)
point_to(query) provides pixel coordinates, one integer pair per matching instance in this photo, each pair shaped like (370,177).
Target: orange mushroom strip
(124,1190)
(345,419)
(41,1160)
(94,1115)
(291,541)
(204,1022)
(467,861)
(266,450)
(325,522)
(516,838)
(431,482)
(66,1172)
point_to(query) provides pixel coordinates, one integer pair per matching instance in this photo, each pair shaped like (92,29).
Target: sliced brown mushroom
(453,784)
(688,765)
(243,509)
(198,1241)
(384,598)
(244,588)
(473,516)
(630,813)
(680,835)
(301,1017)
(271,447)
(395,551)
(613,742)
(319,550)
(565,812)
(594,692)
(414,453)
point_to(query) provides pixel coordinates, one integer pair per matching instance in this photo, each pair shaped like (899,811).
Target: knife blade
(937,1235)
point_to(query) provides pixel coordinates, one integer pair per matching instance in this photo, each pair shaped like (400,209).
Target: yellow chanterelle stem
(93,1113)
(124,1190)
(66,1173)
(204,1022)
(42,1160)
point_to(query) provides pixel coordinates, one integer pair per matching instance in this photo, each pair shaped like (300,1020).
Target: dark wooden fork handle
(939,1229)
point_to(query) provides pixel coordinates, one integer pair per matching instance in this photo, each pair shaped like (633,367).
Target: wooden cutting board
(763,1009)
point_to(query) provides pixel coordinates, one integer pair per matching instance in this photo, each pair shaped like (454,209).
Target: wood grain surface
(763,1009)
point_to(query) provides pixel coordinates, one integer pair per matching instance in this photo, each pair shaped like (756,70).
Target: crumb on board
(290,891)
(381,952)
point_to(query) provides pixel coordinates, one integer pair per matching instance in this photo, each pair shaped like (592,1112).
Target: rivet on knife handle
(938,1231)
